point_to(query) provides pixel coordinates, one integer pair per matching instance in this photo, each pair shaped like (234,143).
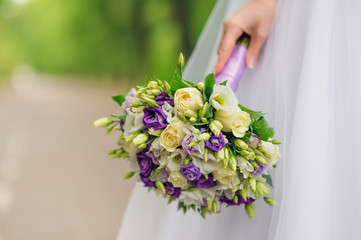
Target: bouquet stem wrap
(236,64)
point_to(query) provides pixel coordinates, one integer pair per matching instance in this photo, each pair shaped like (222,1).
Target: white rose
(273,151)
(224,175)
(172,136)
(234,120)
(223,97)
(188,99)
(177,179)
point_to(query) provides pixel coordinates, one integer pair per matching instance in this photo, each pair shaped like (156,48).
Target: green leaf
(178,83)
(254,115)
(268,179)
(208,86)
(119,99)
(261,128)
(171,199)
(121,117)
(209,112)
(223,83)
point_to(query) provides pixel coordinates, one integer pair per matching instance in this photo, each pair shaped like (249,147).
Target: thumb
(255,46)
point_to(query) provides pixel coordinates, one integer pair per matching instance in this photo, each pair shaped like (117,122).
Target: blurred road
(56,181)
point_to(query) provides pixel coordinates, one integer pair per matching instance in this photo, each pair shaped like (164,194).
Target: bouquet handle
(236,64)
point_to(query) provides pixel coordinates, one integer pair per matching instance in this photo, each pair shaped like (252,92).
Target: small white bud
(103,122)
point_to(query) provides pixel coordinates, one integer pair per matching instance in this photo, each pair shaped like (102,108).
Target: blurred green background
(117,40)
(62,60)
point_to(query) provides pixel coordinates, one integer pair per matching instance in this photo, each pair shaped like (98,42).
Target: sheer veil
(308,82)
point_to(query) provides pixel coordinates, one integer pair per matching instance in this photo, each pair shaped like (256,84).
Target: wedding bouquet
(195,143)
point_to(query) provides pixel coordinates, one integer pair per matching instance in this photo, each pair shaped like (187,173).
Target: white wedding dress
(308,81)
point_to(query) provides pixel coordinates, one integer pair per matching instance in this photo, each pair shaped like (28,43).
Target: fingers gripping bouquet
(195,144)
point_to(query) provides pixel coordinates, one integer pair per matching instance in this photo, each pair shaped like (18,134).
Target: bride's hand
(255,19)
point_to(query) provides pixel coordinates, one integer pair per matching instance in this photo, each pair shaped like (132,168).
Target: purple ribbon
(234,68)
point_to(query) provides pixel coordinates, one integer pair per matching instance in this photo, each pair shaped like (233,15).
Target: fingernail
(251,64)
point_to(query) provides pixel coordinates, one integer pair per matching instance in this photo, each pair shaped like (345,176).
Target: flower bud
(153,85)
(203,109)
(236,188)
(233,163)
(160,185)
(255,165)
(193,144)
(262,188)
(204,120)
(204,137)
(154,92)
(155,133)
(260,159)
(128,175)
(276,142)
(214,206)
(166,86)
(205,154)
(133,135)
(270,201)
(250,210)
(220,155)
(140,139)
(240,144)
(193,119)
(200,85)
(243,194)
(235,198)
(252,183)
(103,122)
(190,113)
(186,160)
(150,102)
(181,61)
(216,127)
(142,146)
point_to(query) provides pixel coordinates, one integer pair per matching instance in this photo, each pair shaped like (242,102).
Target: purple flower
(262,169)
(187,149)
(151,155)
(163,175)
(204,183)
(147,182)
(154,118)
(172,191)
(190,172)
(163,97)
(215,143)
(128,100)
(145,163)
(230,202)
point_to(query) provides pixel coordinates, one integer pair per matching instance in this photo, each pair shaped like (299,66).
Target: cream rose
(223,97)
(188,99)
(273,151)
(172,136)
(234,120)
(177,179)
(224,175)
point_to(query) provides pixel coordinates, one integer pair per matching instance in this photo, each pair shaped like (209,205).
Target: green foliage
(261,128)
(208,86)
(122,40)
(119,99)
(268,179)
